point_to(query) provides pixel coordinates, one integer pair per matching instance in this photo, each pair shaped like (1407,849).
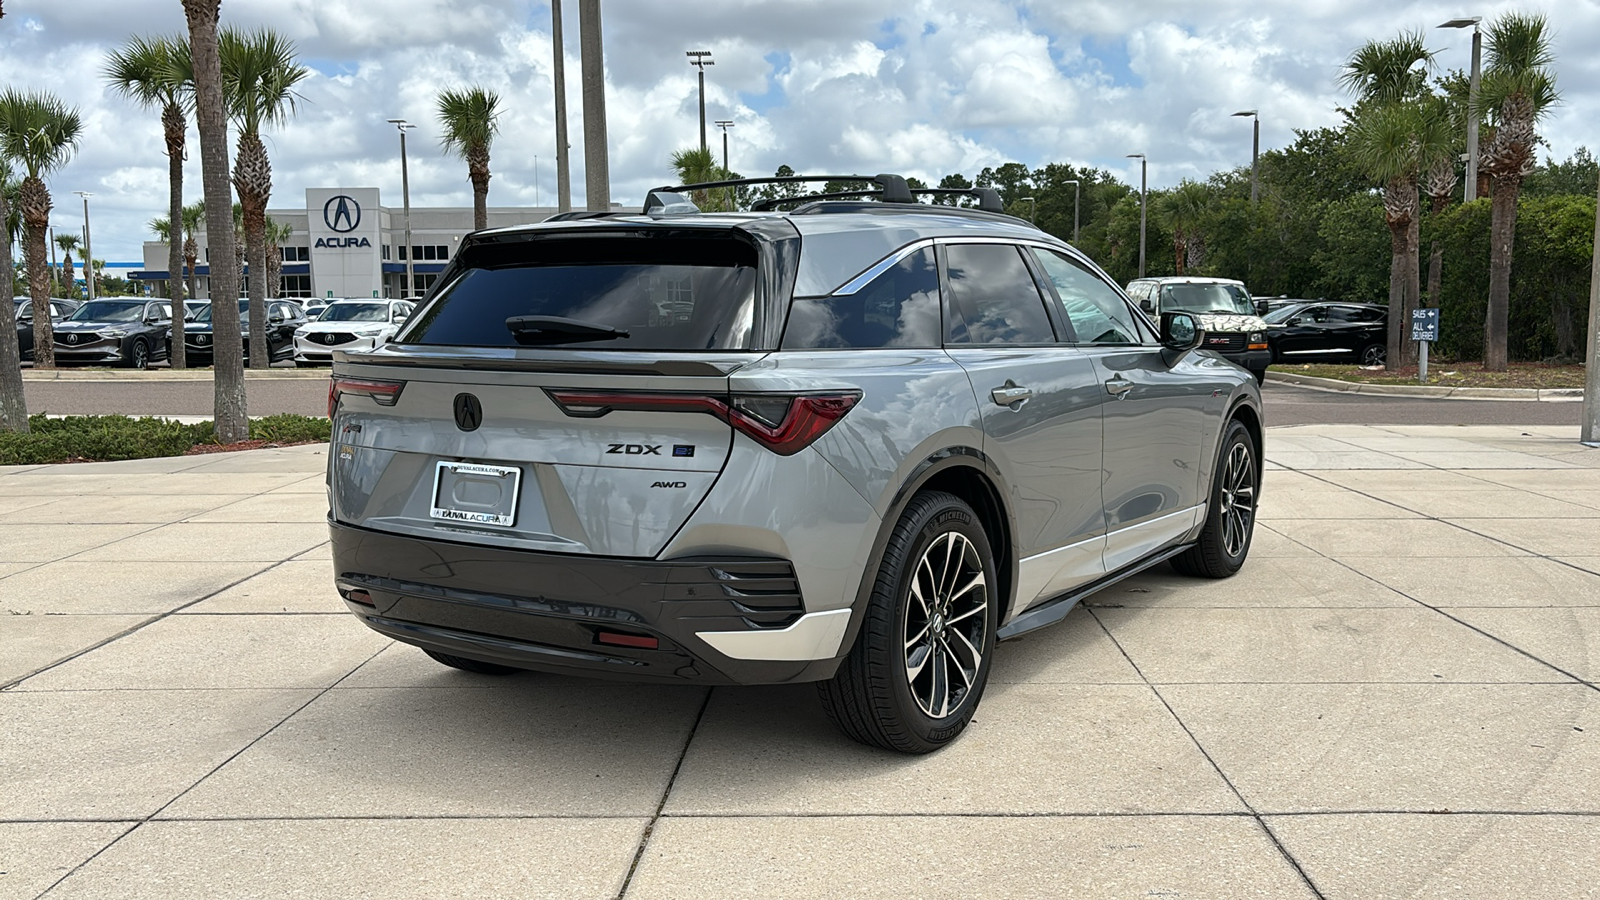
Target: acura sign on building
(346,237)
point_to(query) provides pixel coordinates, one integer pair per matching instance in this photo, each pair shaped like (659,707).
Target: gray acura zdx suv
(856,441)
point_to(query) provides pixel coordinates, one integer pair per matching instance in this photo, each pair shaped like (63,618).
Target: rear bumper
(716,621)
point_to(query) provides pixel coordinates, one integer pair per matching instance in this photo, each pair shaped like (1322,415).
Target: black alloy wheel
(1224,540)
(139,355)
(1374,355)
(921,660)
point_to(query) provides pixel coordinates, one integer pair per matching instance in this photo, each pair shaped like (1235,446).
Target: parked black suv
(283,317)
(119,331)
(1322,331)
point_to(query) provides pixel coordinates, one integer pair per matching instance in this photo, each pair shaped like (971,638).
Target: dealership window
(295,286)
(424,281)
(386,252)
(295,254)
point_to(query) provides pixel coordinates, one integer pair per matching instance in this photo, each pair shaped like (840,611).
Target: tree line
(221,77)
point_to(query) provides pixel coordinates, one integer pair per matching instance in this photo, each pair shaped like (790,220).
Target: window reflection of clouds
(898,309)
(1097,314)
(996,296)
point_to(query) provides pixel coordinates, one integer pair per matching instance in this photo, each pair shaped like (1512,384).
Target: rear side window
(994,299)
(615,293)
(899,308)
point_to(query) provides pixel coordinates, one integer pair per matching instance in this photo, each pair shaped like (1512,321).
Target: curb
(168,375)
(1334,385)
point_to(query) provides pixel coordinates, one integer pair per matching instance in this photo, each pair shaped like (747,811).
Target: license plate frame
(503,514)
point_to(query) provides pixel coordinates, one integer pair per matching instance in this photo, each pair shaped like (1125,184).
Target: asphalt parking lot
(1397,697)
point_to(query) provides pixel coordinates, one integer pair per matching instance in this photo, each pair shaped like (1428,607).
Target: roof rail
(988,199)
(891,188)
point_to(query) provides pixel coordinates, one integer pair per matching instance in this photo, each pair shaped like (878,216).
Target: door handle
(1010,395)
(1119,386)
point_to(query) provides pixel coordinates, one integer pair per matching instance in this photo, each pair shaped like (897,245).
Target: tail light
(384,393)
(782,423)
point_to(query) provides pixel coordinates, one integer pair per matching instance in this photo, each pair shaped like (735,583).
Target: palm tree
(230,419)
(1517,90)
(39,133)
(277,233)
(259,73)
(1439,180)
(471,119)
(13,405)
(1185,210)
(194,216)
(156,73)
(1390,80)
(69,279)
(696,165)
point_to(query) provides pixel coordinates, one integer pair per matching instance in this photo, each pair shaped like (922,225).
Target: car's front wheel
(921,660)
(1374,355)
(1231,515)
(139,355)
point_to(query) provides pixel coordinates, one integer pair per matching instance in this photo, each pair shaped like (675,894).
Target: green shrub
(107,438)
(288,428)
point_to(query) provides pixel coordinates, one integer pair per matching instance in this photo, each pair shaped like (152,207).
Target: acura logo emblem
(72,339)
(469,412)
(328,338)
(342,214)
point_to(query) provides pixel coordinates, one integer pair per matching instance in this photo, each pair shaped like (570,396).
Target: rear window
(597,293)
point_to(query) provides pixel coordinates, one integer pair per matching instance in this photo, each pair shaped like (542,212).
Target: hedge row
(106,438)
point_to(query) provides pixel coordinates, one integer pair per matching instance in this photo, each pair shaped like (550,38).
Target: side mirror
(1261,307)
(1294,320)
(1180,333)
(276,320)
(1147,306)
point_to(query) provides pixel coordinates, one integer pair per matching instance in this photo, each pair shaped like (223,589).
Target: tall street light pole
(559,76)
(1033,207)
(596,155)
(1255,156)
(1470,190)
(725,124)
(1075,194)
(1591,390)
(1144,186)
(88,246)
(700,59)
(405,197)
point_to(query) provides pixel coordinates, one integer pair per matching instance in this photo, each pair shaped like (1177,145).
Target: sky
(918,87)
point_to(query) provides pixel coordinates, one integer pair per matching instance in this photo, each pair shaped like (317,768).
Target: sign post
(1424,328)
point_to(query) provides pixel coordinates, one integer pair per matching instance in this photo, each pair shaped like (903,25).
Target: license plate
(475,494)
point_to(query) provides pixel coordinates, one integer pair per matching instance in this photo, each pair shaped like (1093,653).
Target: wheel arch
(967,473)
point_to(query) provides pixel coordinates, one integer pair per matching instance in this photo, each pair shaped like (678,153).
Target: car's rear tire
(1231,515)
(921,660)
(477,667)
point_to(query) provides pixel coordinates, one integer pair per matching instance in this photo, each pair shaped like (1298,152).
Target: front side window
(1096,311)
(993,298)
(899,308)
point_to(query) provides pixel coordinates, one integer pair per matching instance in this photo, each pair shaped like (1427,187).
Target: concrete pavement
(1395,698)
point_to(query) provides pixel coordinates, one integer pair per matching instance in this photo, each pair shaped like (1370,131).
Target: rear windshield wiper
(557,330)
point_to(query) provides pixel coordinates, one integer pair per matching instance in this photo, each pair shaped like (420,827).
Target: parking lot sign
(1424,324)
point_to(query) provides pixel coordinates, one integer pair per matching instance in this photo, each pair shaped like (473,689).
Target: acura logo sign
(72,339)
(342,214)
(469,412)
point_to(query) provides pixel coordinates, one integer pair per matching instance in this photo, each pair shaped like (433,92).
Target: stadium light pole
(700,59)
(1144,186)
(1255,155)
(1470,189)
(405,197)
(88,247)
(1075,193)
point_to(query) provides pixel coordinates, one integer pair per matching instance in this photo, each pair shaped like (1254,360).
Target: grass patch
(108,438)
(1452,374)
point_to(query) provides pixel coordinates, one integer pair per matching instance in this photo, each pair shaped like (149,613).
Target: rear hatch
(561,392)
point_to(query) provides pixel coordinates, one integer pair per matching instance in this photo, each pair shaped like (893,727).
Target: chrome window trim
(878,268)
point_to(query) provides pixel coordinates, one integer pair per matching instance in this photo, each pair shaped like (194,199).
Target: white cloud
(926,87)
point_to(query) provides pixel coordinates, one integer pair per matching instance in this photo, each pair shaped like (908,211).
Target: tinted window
(1282,314)
(1094,308)
(993,297)
(899,308)
(664,293)
(1354,314)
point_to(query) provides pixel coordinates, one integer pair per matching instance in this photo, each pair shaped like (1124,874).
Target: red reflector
(361,597)
(643,642)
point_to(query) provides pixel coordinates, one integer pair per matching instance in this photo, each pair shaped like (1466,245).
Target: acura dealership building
(346,243)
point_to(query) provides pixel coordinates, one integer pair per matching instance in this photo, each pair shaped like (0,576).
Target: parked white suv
(353,325)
